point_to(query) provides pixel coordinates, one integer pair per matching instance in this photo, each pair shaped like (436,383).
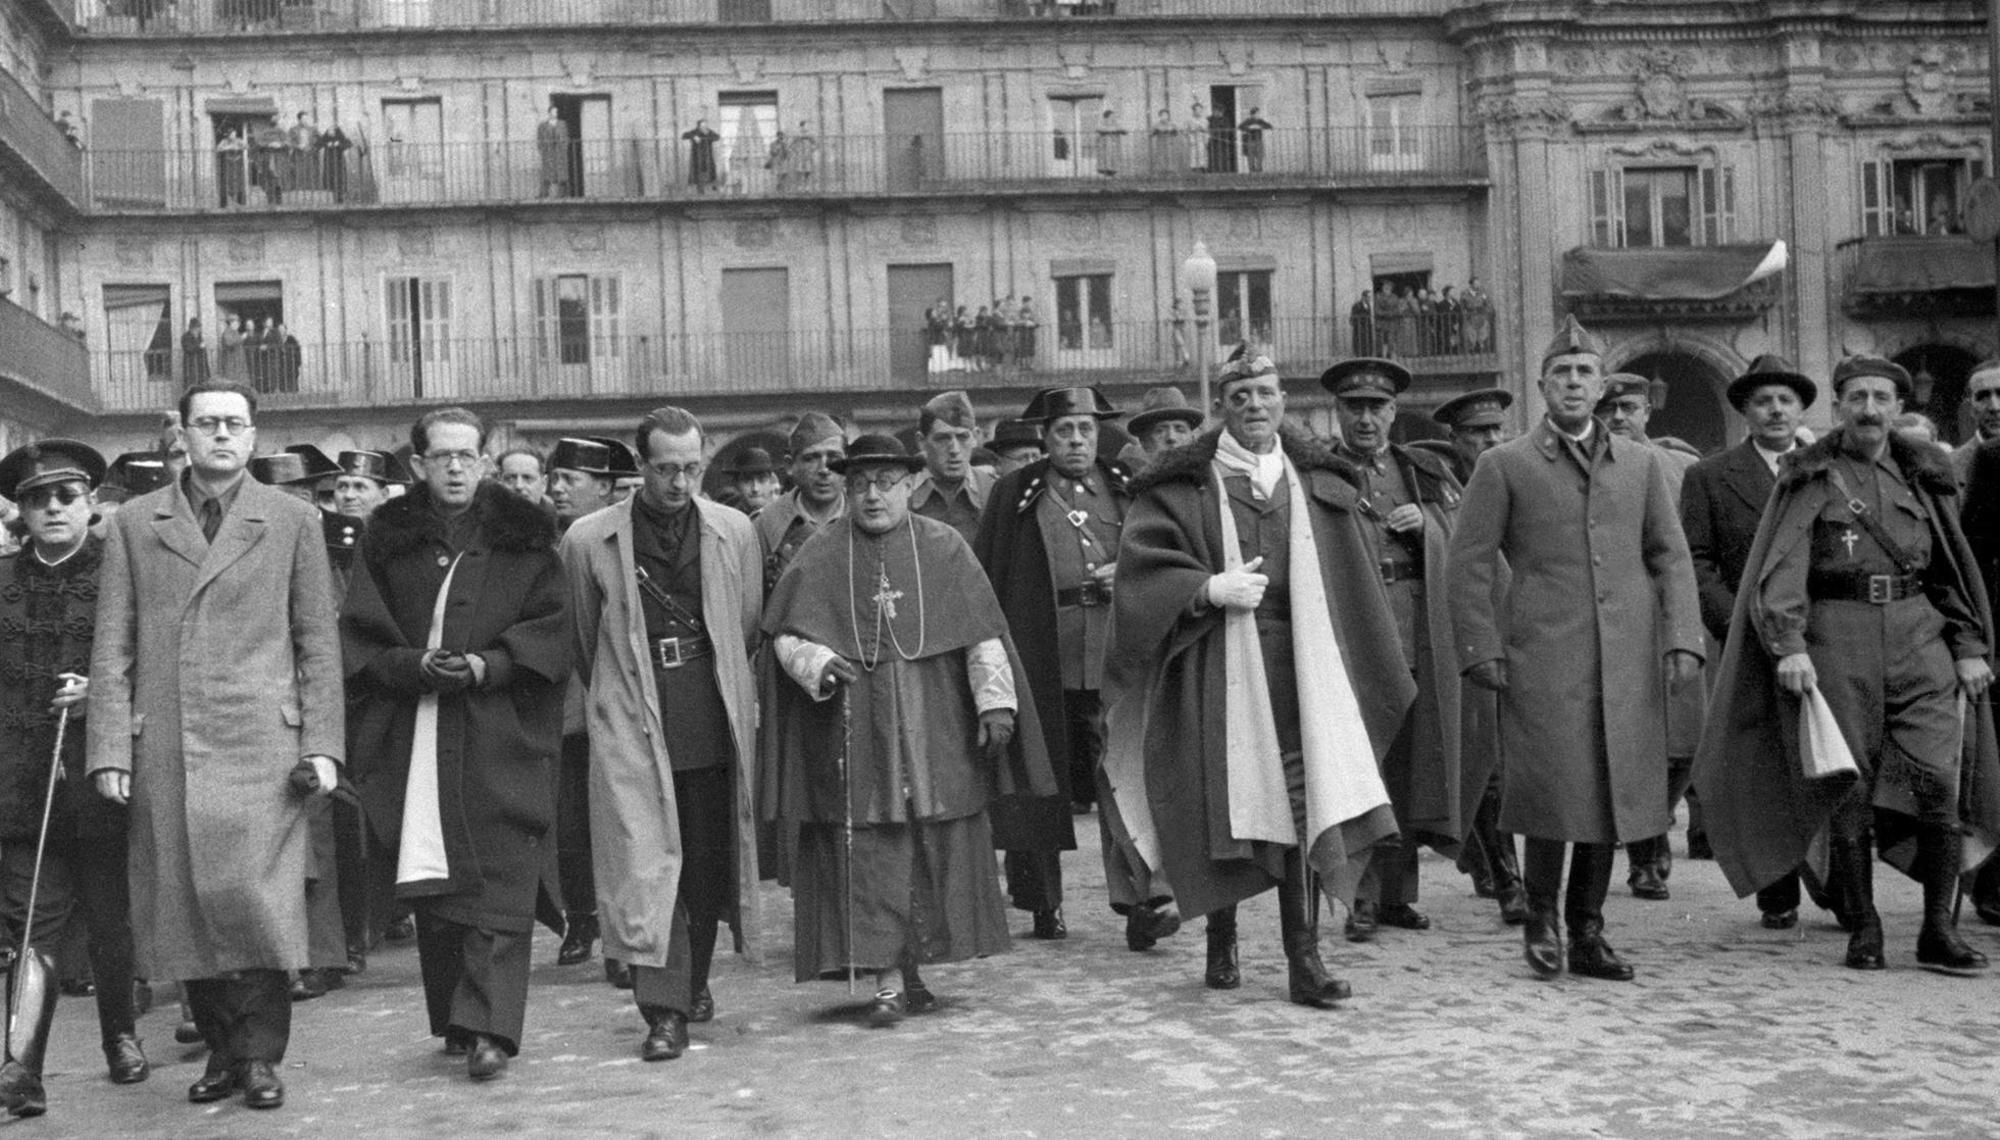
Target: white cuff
(804,661)
(991,676)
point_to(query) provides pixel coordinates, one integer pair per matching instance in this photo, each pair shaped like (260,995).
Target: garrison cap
(380,466)
(48,461)
(1161,405)
(1572,338)
(1365,377)
(1485,407)
(1243,364)
(954,408)
(1865,365)
(594,455)
(1771,368)
(811,429)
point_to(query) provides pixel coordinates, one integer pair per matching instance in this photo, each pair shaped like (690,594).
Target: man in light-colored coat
(217,706)
(694,646)
(1600,615)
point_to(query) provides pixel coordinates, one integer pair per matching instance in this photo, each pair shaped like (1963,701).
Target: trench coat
(496,744)
(636,851)
(216,669)
(1602,590)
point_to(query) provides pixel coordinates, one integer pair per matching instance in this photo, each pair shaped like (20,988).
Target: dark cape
(497,743)
(1159,647)
(1016,559)
(1762,813)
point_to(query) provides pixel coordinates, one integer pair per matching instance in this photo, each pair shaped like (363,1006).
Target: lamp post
(1198,278)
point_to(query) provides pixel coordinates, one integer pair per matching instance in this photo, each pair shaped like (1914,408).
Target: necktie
(211,518)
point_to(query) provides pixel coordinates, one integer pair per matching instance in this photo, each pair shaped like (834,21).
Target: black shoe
(579,940)
(216,1083)
(1145,925)
(400,930)
(186,1032)
(309,984)
(1049,926)
(1590,956)
(125,1059)
(1646,883)
(21,1090)
(618,974)
(1361,924)
(457,1043)
(357,958)
(1939,945)
(918,998)
(703,1007)
(261,1086)
(486,1059)
(1402,916)
(1514,906)
(1698,847)
(1222,972)
(1864,946)
(1781,919)
(1542,941)
(666,1035)
(886,1010)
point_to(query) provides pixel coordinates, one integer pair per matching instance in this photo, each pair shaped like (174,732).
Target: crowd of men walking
(247,737)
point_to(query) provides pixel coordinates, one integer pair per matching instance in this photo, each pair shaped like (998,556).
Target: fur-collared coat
(1761,811)
(497,743)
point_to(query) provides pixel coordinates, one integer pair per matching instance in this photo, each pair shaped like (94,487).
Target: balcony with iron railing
(409,367)
(34,146)
(37,355)
(404,174)
(264,17)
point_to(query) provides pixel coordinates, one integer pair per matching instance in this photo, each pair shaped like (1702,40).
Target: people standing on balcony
(68,128)
(1221,143)
(333,147)
(701,156)
(805,156)
(231,157)
(1427,321)
(269,162)
(1110,142)
(1195,134)
(1451,323)
(1361,320)
(290,357)
(964,334)
(260,347)
(1163,144)
(303,159)
(938,335)
(1252,129)
(1025,324)
(552,153)
(194,353)
(1478,317)
(778,160)
(229,351)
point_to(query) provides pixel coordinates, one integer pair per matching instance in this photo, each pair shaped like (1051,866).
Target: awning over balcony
(1898,266)
(1691,274)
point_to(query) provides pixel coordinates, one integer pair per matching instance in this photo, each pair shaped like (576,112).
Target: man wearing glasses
(457,638)
(215,598)
(671,734)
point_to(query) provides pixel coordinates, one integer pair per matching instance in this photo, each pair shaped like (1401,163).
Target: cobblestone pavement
(1730,1030)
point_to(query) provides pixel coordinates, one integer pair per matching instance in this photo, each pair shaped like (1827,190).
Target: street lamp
(1198,278)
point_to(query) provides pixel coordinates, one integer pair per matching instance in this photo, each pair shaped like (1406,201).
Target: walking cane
(847,829)
(31,991)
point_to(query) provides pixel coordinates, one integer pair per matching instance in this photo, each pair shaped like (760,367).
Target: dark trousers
(573,869)
(350,856)
(704,800)
(77,874)
(1390,879)
(1589,879)
(1084,711)
(475,980)
(247,1017)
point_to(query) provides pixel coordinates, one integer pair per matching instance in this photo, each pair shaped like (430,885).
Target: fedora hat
(1161,405)
(1771,368)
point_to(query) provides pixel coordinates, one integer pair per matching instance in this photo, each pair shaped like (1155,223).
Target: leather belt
(1393,572)
(674,652)
(1878,589)
(1092,593)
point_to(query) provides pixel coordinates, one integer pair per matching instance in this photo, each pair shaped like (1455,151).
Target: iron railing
(410,367)
(44,357)
(263,17)
(34,138)
(393,172)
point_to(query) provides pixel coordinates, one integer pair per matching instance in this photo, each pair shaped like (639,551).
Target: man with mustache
(1861,587)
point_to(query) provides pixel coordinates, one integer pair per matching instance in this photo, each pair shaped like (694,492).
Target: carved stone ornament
(756,233)
(913,62)
(412,243)
(1076,58)
(1238,58)
(246,249)
(1928,92)
(1805,105)
(1927,82)
(1513,110)
(748,68)
(1660,95)
(919,229)
(579,73)
(410,83)
(584,239)
(133,252)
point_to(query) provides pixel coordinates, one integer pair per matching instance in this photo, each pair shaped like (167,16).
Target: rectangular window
(749,120)
(139,333)
(577,319)
(412,158)
(418,315)
(1661,206)
(1083,313)
(1243,307)
(1395,142)
(1916,195)
(1072,138)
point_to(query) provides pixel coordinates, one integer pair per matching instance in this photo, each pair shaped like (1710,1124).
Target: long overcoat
(216,669)
(635,827)
(496,744)
(1602,590)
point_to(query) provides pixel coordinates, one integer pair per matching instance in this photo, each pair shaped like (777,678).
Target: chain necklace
(885,606)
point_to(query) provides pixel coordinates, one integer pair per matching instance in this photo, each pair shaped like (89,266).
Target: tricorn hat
(318,466)
(874,450)
(1865,365)
(287,469)
(1161,405)
(1049,403)
(594,455)
(1484,407)
(1771,368)
(1572,338)
(377,465)
(1366,376)
(49,461)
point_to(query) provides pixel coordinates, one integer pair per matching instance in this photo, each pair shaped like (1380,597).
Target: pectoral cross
(1848,539)
(885,595)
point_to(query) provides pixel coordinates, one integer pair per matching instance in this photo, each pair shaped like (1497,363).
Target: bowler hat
(1771,368)
(594,455)
(1161,405)
(1051,403)
(49,461)
(1366,376)
(1484,407)
(873,451)
(377,465)
(1863,364)
(753,461)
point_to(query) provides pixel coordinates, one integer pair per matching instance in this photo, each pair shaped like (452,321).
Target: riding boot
(1590,956)
(1507,878)
(1856,863)
(1222,973)
(1298,923)
(1938,944)
(31,1009)
(1541,935)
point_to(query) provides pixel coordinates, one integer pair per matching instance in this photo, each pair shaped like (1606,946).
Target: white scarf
(420,852)
(1264,470)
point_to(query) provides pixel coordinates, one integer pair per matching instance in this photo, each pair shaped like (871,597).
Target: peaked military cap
(48,461)
(594,455)
(1366,376)
(1771,368)
(1572,338)
(1049,403)
(1485,407)
(380,466)
(876,450)
(1161,405)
